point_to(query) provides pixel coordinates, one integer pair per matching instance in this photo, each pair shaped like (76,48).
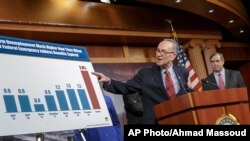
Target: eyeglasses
(163,52)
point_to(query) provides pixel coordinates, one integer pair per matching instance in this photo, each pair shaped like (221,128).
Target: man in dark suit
(150,81)
(222,78)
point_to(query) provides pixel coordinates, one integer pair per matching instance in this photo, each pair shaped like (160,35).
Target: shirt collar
(170,69)
(222,72)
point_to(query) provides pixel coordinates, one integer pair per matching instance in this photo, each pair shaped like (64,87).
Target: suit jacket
(148,81)
(233,79)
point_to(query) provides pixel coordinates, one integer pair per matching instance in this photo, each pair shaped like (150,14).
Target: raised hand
(101,77)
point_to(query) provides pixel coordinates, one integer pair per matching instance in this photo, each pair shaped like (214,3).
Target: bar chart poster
(48,87)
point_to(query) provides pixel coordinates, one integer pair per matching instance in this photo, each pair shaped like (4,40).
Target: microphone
(182,84)
(207,82)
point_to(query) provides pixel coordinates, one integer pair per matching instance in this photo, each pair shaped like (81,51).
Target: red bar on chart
(90,88)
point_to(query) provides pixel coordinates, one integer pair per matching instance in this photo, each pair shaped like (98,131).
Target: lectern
(206,108)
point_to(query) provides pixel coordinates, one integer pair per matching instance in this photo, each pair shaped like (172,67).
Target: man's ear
(174,55)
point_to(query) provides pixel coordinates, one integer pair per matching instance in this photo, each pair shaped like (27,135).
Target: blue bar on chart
(83,98)
(24,103)
(10,103)
(39,107)
(73,99)
(51,103)
(62,100)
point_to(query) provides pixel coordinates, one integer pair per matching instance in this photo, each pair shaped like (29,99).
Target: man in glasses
(160,82)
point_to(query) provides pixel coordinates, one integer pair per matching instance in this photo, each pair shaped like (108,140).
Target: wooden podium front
(206,107)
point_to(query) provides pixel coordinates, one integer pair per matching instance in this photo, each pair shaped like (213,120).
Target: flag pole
(172,29)
(193,80)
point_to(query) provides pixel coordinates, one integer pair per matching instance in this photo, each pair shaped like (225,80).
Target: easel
(40,137)
(82,135)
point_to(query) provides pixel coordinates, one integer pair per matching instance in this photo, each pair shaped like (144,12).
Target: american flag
(184,62)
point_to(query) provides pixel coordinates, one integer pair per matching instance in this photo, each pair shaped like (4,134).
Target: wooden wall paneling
(106,54)
(105,51)
(146,52)
(235,53)
(142,54)
(120,54)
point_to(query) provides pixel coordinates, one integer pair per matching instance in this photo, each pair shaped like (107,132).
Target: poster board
(48,87)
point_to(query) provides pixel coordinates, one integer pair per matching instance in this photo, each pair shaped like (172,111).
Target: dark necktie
(169,85)
(221,82)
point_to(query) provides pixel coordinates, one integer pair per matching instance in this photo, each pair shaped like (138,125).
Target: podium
(206,108)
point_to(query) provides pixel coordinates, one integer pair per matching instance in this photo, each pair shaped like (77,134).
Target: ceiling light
(231,21)
(241,31)
(211,11)
(178,1)
(105,1)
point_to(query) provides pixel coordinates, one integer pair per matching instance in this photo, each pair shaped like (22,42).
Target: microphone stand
(207,82)
(181,84)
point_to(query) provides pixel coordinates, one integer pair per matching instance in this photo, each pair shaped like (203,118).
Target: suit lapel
(181,80)
(158,79)
(227,77)
(178,73)
(212,79)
